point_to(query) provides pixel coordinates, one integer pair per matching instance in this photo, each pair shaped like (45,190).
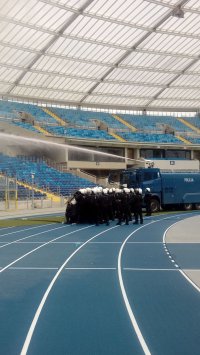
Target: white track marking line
(67,268)
(32,235)
(90,268)
(33,268)
(143,269)
(144,242)
(3,228)
(180,270)
(41,246)
(127,304)
(189,280)
(24,230)
(126,301)
(41,305)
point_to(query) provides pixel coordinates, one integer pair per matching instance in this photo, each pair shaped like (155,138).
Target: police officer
(138,206)
(147,201)
(70,213)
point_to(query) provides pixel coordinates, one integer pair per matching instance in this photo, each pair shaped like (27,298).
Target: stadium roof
(118,54)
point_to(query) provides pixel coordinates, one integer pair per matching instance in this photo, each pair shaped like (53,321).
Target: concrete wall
(177,164)
(95,165)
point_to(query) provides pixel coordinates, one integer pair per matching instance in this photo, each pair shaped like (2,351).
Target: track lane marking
(41,246)
(180,270)
(67,268)
(126,301)
(41,305)
(24,230)
(143,269)
(32,235)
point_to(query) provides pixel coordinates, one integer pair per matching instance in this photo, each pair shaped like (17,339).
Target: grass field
(29,221)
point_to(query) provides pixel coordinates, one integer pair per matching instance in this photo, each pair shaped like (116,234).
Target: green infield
(27,221)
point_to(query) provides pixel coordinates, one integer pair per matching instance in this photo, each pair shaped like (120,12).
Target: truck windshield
(128,178)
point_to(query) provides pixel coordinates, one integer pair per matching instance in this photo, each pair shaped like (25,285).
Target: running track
(87,290)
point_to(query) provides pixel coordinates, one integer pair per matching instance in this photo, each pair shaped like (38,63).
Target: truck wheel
(197,206)
(187,206)
(155,205)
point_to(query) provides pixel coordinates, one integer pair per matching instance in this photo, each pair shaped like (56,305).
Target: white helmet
(73,201)
(126,190)
(140,191)
(88,190)
(148,189)
(105,191)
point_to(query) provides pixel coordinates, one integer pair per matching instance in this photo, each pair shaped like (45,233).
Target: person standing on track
(147,201)
(138,206)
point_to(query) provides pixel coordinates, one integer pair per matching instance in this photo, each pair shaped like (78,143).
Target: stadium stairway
(54,198)
(132,128)
(57,118)
(197,130)
(184,140)
(42,130)
(117,137)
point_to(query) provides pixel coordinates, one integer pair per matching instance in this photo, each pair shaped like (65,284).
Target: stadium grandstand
(91,87)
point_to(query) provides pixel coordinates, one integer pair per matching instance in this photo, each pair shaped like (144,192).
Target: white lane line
(180,270)
(32,235)
(41,305)
(143,269)
(24,230)
(105,242)
(67,268)
(127,304)
(3,228)
(144,242)
(90,268)
(190,281)
(41,246)
(126,301)
(22,242)
(33,268)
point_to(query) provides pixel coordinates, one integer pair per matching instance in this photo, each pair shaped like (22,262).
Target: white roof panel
(120,100)
(85,50)
(58,65)
(188,81)
(9,75)
(175,104)
(55,82)
(102,31)
(45,94)
(156,61)
(106,53)
(181,93)
(171,44)
(140,76)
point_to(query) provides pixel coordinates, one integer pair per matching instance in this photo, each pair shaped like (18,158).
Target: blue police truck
(169,189)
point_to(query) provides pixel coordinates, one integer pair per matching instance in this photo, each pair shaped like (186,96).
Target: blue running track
(106,290)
